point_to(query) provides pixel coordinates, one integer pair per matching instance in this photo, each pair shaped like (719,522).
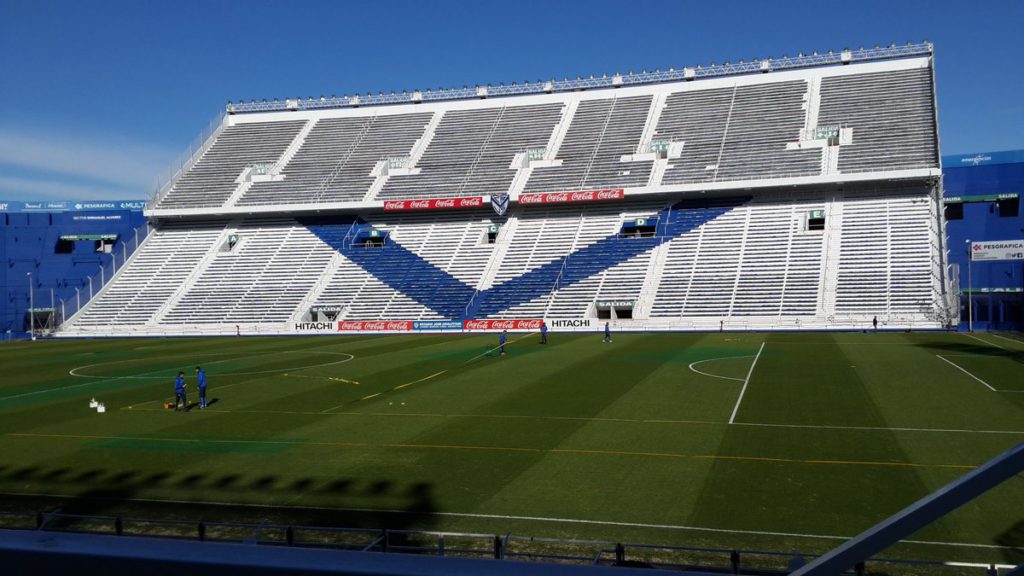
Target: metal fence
(471,545)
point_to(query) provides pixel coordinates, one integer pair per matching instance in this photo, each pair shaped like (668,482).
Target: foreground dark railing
(469,545)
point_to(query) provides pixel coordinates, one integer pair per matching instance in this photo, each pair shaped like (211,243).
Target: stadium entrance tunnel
(614,309)
(639,228)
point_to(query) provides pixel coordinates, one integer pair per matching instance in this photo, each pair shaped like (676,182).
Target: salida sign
(562,197)
(434,203)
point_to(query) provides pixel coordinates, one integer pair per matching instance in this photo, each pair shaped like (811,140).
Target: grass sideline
(628,441)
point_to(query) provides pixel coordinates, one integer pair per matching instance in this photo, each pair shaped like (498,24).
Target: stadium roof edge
(830,58)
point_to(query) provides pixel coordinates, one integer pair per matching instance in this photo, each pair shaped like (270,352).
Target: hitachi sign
(300,326)
(584,323)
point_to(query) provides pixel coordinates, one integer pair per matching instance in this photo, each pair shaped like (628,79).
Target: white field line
(226,386)
(1014,340)
(745,382)
(424,379)
(983,341)
(529,518)
(609,420)
(692,364)
(881,428)
(74,371)
(112,379)
(950,362)
(101,379)
(977,565)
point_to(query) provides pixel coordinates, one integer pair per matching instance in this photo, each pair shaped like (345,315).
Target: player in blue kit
(179,392)
(201,384)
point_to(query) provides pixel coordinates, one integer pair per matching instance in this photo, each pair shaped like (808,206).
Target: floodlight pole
(970,289)
(31,307)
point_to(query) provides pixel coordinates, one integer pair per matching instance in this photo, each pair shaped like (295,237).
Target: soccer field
(767,441)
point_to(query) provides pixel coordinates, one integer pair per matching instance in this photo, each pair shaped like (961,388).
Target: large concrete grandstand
(802,193)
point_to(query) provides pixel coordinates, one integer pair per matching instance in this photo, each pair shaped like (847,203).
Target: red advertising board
(582,196)
(434,203)
(529,324)
(375,326)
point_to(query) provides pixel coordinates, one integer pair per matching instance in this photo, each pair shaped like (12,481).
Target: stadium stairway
(397,267)
(679,219)
(408,273)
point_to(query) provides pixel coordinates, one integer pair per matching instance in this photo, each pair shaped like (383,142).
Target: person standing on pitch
(179,392)
(501,342)
(543,332)
(874,322)
(201,384)
(607,332)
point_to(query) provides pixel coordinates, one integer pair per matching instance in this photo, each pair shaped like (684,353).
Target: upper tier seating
(213,178)
(737,133)
(750,128)
(472,151)
(602,131)
(892,115)
(335,162)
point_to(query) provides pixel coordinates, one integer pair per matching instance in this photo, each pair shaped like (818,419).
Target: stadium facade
(58,254)
(796,193)
(982,203)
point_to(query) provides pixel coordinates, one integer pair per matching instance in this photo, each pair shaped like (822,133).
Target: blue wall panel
(998,287)
(28,242)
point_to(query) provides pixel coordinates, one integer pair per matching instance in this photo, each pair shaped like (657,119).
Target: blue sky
(97,98)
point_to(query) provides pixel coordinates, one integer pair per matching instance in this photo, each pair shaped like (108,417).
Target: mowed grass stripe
(572,451)
(574,429)
(819,387)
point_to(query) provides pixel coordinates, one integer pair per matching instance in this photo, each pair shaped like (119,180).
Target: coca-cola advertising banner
(561,197)
(434,203)
(375,326)
(530,324)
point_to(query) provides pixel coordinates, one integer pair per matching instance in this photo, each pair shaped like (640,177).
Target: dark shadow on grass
(334,502)
(1014,538)
(945,347)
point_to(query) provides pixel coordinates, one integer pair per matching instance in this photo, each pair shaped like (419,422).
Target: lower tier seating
(823,259)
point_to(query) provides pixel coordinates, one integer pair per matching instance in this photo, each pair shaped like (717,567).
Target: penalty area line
(983,341)
(951,363)
(743,391)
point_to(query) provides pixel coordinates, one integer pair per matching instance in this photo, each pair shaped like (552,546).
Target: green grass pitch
(628,441)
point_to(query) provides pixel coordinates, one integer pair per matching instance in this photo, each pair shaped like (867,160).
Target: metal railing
(164,181)
(469,545)
(84,294)
(568,85)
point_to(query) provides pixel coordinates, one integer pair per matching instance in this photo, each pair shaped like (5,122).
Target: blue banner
(71,205)
(436,325)
(983,159)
